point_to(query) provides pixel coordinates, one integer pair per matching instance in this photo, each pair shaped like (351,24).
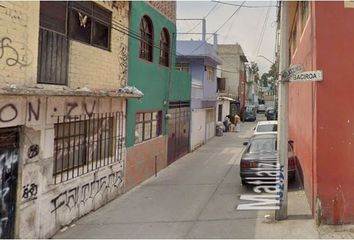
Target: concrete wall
(334,115)
(301,109)
(230,55)
(50,206)
(320,116)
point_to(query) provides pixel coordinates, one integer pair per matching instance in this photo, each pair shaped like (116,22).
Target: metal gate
(178,130)
(9,148)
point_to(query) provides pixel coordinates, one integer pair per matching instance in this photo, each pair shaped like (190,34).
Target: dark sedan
(271,114)
(260,158)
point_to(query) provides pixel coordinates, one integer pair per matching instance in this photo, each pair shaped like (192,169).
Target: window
(183,67)
(164,48)
(53,39)
(221,84)
(86,145)
(210,73)
(304,13)
(90,23)
(146,39)
(83,21)
(148,125)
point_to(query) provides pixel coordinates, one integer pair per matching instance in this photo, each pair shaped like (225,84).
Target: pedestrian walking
(226,124)
(238,123)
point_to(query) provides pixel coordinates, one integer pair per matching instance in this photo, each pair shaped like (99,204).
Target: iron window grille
(164,48)
(146,39)
(83,144)
(148,125)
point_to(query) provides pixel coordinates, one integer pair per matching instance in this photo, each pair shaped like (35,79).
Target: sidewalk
(195,197)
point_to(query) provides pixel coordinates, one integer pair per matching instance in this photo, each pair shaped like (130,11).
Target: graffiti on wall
(13,112)
(123,63)
(13,55)
(30,192)
(33,151)
(79,195)
(8,178)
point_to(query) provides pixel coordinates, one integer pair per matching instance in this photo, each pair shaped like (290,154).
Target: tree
(254,69)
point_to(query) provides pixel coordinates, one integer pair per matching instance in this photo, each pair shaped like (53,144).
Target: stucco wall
(302,110)
(230,55)
(335,118)
(151,78)
(51,206)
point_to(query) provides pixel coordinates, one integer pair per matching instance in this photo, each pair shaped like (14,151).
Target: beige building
(63,75)
(233,72)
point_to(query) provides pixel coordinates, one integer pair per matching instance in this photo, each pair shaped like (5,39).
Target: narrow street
(195,197)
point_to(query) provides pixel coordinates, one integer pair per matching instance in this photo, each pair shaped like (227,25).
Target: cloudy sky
(252,26)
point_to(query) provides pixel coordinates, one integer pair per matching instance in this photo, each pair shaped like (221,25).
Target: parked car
(261,151)
(261,108)
(266,127)
(249,113)
(271,114)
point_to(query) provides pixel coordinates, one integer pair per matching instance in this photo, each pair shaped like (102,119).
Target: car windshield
(267,128)
(262,145)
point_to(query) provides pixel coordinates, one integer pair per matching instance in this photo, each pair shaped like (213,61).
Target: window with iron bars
(83,144)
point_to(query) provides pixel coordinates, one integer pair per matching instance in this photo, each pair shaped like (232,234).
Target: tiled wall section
(140,163)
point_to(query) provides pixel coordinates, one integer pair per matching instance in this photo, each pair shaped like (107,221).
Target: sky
(244,28)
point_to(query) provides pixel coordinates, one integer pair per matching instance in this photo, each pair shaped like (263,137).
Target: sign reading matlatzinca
(307,76)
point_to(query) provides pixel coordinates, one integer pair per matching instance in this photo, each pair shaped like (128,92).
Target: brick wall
(141,161)
(167,8)
(19,22)
(88,66)
(97,68)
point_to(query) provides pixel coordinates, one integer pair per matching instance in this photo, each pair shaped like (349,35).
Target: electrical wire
(210,11)
(259,44)
(123,29)
(222,25)
(245,6)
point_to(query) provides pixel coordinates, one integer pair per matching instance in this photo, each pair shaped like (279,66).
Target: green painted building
(157,124)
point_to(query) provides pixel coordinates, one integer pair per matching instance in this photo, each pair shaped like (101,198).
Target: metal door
(178,130)
(9,148)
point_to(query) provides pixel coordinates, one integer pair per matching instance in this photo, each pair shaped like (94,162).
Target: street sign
(293,69)
(307,76)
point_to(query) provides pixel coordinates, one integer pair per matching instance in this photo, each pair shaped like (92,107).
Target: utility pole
(282,144)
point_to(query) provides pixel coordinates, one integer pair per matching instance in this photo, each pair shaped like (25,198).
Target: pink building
(321,116)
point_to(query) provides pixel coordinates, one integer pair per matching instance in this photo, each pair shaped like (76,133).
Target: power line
(259,43)
(222,25)
(210,11)
(245,6)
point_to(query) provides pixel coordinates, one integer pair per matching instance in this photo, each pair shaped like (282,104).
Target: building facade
(200,59)
(320,115)
(234,72)
(158,124)
(63,75)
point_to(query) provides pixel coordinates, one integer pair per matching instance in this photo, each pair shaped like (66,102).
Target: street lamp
(266,59)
